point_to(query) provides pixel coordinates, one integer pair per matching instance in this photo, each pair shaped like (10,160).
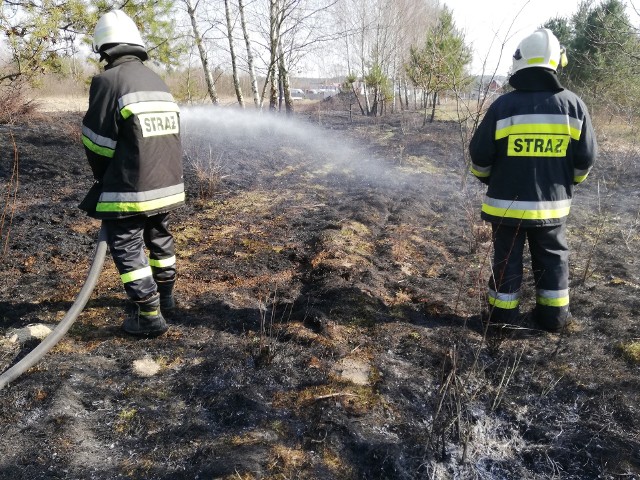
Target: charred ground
(332,272)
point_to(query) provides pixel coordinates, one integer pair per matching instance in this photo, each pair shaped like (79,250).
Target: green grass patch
(631,351)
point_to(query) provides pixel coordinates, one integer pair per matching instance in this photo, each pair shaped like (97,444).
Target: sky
(502,22)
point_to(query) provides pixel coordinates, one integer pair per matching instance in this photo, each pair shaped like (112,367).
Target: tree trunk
(406,93)
(234,68)
(252,74)
(394,97)
(211,87)
(355,93)
(284,78)
(273,51)
(433,106)
(367,101)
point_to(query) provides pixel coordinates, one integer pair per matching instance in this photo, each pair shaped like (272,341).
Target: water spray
(54,337)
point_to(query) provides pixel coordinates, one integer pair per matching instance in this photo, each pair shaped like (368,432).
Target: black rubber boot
(167,300)
(552,319)
(147,320)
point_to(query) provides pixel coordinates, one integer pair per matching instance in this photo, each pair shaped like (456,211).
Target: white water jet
(228,137)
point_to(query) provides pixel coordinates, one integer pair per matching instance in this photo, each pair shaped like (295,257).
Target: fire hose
(62,328)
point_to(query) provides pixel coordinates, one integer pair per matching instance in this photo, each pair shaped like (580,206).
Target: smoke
(238,142)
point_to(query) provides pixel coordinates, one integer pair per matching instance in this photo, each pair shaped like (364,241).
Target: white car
(297,94)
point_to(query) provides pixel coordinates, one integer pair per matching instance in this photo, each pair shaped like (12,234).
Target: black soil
(305,247)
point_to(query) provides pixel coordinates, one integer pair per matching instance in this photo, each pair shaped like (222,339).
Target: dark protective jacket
(532,146)
(131,134)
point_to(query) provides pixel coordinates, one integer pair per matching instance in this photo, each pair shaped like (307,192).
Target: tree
(41,33)
(250,65)
(204,59)
(377,35)
(292,29)
(441,63)
(603,53)
(381,89)
(234,68)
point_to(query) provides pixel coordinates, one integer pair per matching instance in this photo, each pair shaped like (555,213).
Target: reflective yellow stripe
(145,206)
(580,176)
(95,148)
(580,179)
(526,214)
(480,174)
(507,301)
(479,171)
(553,302)
(505,304)
(536,145)
(136,275)
(164,262)
(149,313)
(539,60)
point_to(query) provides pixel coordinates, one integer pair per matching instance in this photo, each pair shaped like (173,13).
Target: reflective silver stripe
(98,139)
(504,297)
(148,96)
(148,107)
(539,118)
(553,293)
(141,196)
(520,205)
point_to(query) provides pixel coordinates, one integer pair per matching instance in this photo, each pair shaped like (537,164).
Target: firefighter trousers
(550,264)
(128,239)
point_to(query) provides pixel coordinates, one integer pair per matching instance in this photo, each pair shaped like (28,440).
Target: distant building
(488,85)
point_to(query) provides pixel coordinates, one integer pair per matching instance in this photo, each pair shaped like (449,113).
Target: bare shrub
(15,104)
(204,168)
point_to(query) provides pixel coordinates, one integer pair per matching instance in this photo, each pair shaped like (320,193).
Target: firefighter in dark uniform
(532,146)
(131,134)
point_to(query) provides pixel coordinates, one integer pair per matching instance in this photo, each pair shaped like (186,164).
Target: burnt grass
(308,246)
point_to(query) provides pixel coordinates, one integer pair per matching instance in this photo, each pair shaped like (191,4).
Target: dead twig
(334,395)
(10,199)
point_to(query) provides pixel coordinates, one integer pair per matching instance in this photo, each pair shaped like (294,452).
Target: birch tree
(377,36)
(234,68)
(208,76)
(250,62)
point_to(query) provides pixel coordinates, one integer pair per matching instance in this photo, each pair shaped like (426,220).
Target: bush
(16,105)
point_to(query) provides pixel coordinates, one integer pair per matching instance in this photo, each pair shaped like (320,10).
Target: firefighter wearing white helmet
(131,135)
(532,147)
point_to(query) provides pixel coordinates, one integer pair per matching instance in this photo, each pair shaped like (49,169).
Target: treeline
(377,45)
(392,54)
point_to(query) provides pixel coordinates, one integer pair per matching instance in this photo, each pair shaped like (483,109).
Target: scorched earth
(332,274)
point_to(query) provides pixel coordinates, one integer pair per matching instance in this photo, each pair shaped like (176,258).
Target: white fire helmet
(540,49)
(116,27)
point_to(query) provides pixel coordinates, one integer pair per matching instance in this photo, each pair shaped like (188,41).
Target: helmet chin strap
(563,57)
